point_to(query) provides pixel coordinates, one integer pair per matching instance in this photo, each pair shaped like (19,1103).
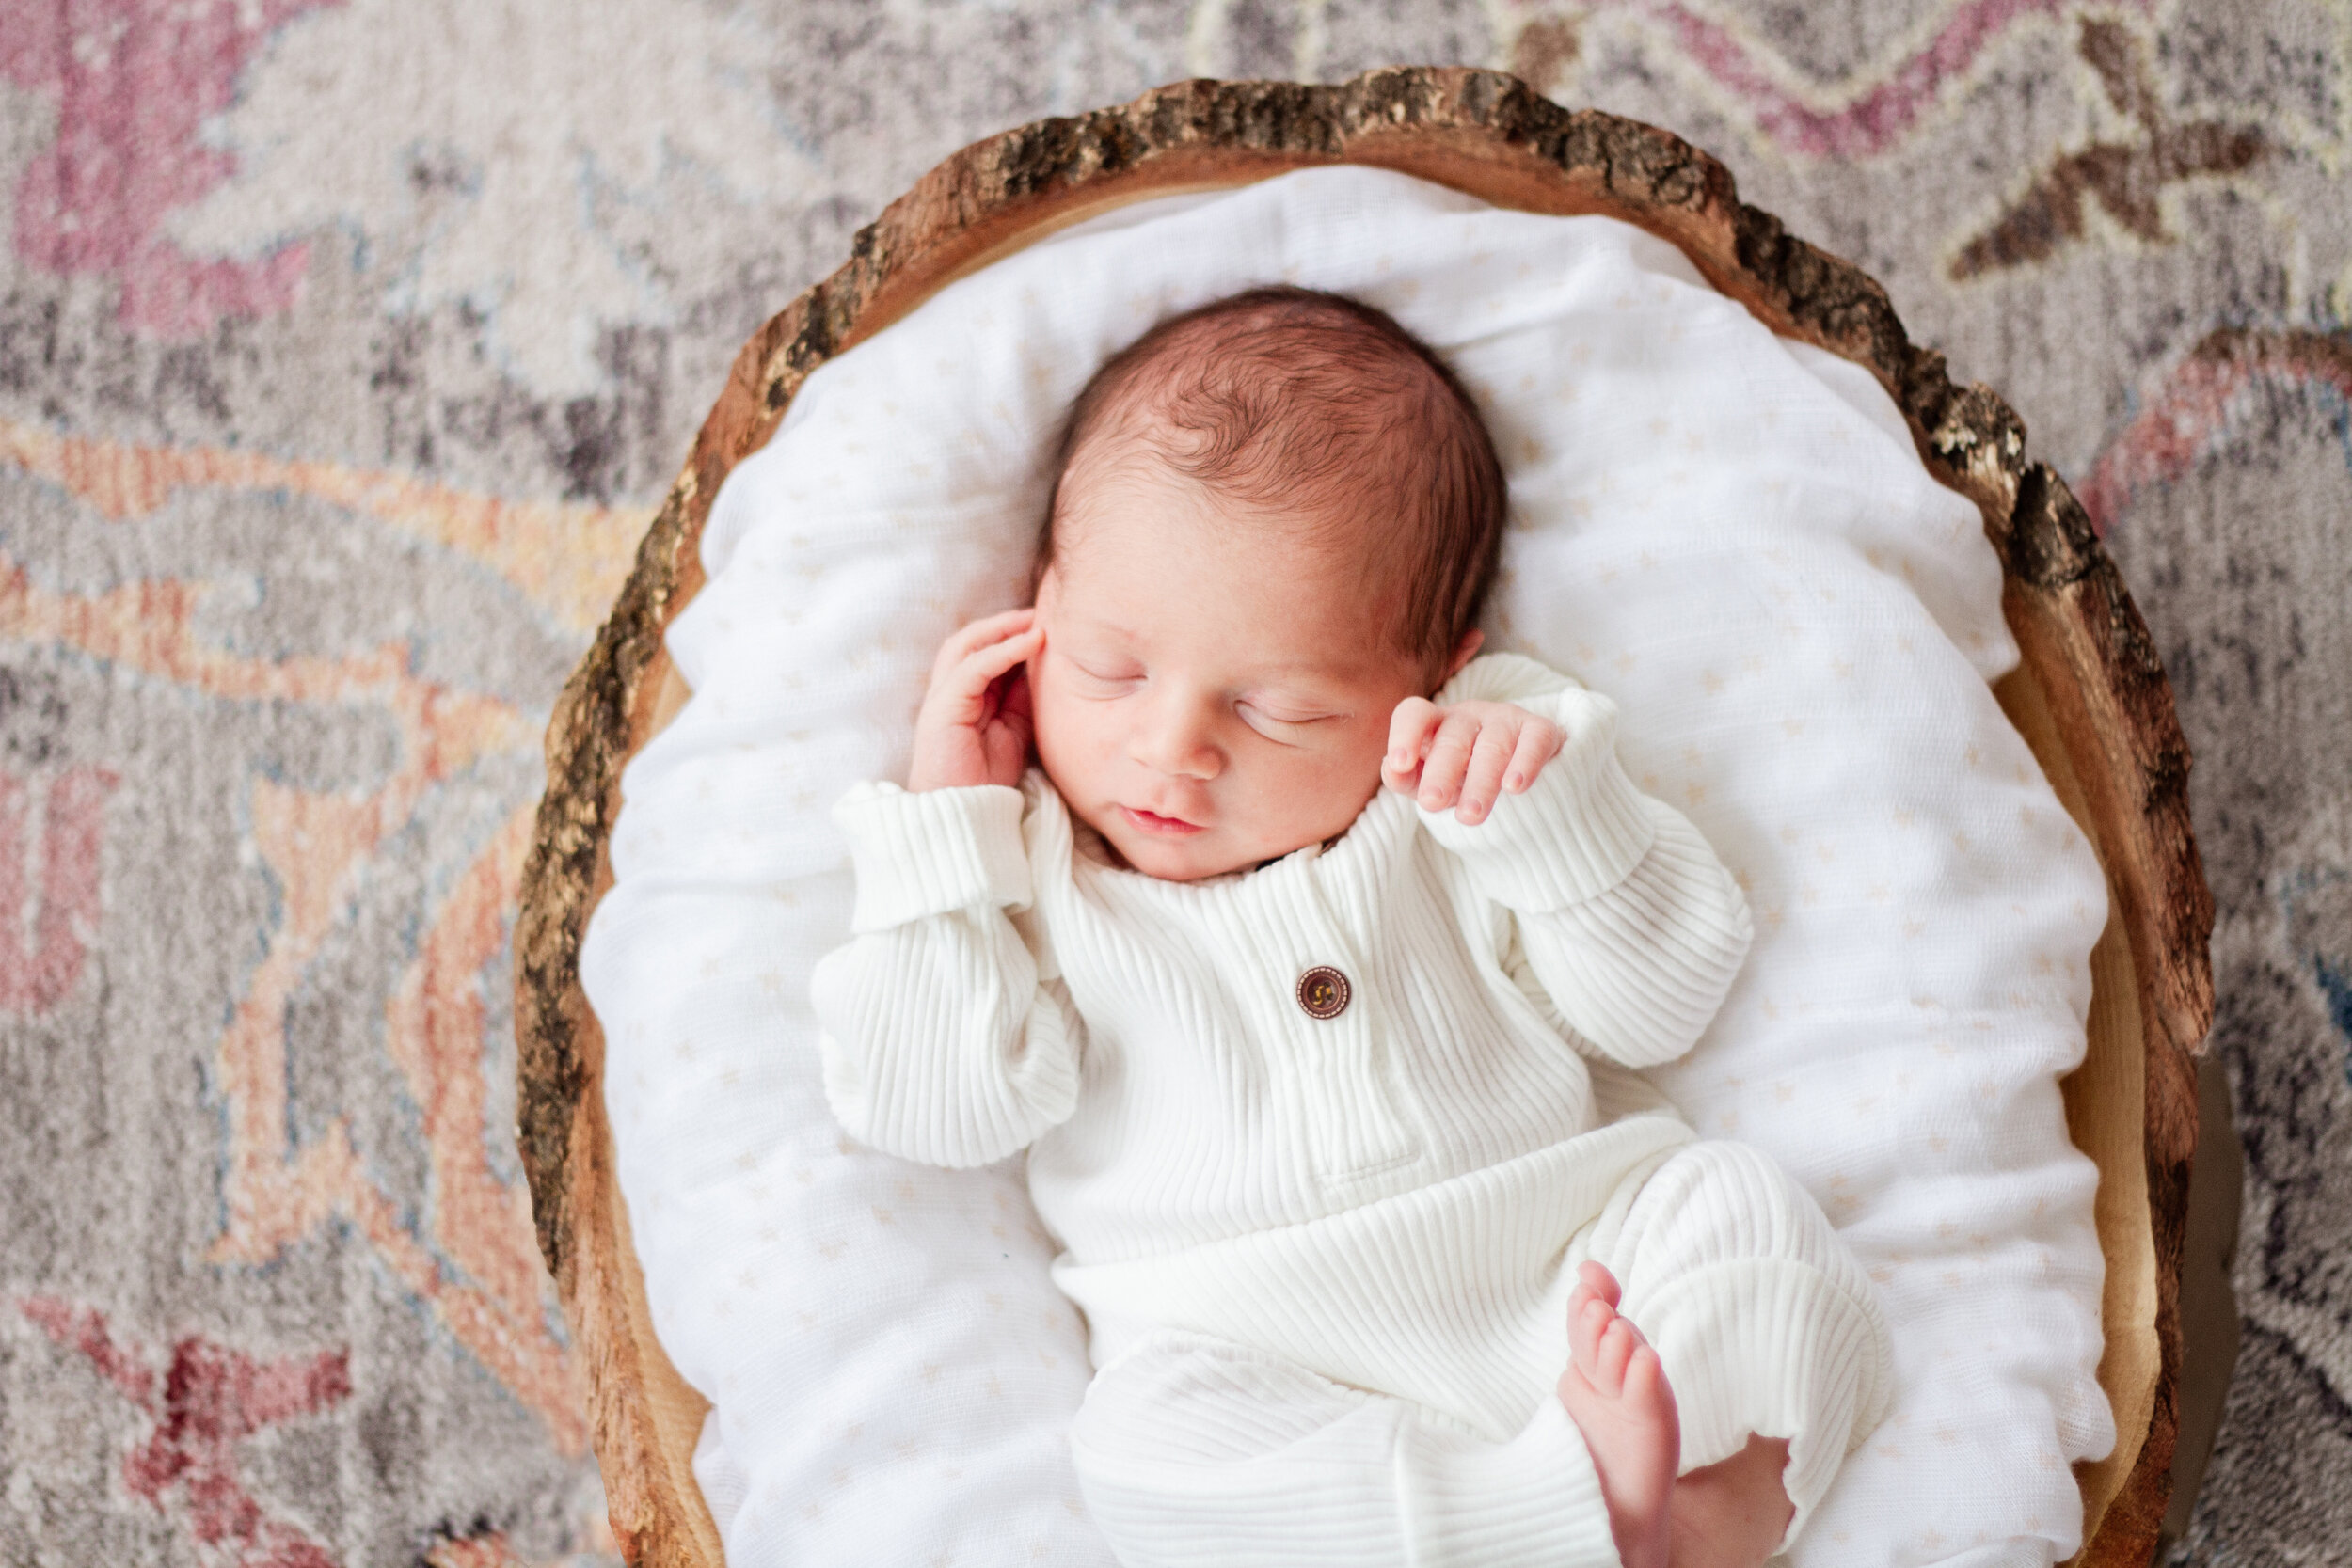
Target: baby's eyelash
(1278,719)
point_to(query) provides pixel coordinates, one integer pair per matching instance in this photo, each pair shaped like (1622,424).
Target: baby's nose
(1178,744)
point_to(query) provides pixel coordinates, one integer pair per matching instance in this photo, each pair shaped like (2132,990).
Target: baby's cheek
(1325,795)
(1074,746)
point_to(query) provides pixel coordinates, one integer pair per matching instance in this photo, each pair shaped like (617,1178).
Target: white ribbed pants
(1194,1450)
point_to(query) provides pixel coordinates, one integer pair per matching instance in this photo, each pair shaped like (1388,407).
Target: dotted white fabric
(1729,534)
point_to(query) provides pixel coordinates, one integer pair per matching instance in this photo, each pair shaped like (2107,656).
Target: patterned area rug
(345,346)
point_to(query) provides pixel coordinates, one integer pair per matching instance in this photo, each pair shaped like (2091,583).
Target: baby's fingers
(1450,756)
(1539,741)
(966,685)
(1410,726)
(981,633)
(1491,754)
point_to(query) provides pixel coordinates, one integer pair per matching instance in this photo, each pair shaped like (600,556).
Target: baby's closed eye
(1108,675)
(1277,722)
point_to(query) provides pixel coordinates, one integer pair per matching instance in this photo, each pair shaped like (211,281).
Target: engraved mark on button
(1323,992)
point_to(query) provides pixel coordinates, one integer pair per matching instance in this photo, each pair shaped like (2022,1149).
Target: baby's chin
(1155,860)
(1176,861)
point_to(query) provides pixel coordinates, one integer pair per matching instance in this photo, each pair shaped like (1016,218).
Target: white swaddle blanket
(1729,533)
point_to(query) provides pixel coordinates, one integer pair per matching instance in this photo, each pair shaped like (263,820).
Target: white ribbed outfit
(1325,1262)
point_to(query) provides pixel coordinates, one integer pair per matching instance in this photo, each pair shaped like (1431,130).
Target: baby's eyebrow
(1089,626)
(1314,671)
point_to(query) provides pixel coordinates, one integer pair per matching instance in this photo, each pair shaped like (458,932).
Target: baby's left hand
(1464,755)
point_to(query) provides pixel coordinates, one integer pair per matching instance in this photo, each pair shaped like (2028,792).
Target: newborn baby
(1306,962)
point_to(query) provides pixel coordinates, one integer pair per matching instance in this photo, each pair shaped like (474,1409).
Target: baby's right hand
(976,721)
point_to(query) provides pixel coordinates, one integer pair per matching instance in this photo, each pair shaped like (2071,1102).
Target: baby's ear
(1464,651)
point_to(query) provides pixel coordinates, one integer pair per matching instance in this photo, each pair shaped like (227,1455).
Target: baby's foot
(1733,1513)
(1615,1391)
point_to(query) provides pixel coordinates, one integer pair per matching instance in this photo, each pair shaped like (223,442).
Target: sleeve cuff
(927,852)
(1580,830)
(1779,1349)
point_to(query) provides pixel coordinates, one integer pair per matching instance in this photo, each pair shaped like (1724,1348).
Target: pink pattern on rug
(2197,406)
(213,1398)
(134,81)
(1878,113)
(35,979)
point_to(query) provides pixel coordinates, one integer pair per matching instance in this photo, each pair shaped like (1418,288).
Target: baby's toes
(1586,1324)
(1646,1377)
(1617,1346)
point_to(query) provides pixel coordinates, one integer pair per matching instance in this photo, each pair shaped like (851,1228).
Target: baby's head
(1276,517)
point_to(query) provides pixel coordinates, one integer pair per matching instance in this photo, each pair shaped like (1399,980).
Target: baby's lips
(1173,824)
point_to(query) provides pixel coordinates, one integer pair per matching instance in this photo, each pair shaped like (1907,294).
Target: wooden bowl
(2090,696)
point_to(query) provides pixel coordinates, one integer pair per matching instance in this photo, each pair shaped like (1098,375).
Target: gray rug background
(346,347)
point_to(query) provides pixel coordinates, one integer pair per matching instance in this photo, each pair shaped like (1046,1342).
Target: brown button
(1323,991)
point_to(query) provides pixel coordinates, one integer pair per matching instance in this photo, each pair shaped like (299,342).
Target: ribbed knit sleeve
(1631,925)
(932,852)
(944,1039)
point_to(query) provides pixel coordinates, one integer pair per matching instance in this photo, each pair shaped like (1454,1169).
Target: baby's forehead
(1133,509)
(1292,623)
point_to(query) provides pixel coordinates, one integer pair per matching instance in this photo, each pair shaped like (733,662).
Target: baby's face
(1208,695)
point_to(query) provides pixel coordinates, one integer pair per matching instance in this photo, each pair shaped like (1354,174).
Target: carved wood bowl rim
(2090,694)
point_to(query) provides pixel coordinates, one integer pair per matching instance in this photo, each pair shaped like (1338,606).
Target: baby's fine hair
(1326,409)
